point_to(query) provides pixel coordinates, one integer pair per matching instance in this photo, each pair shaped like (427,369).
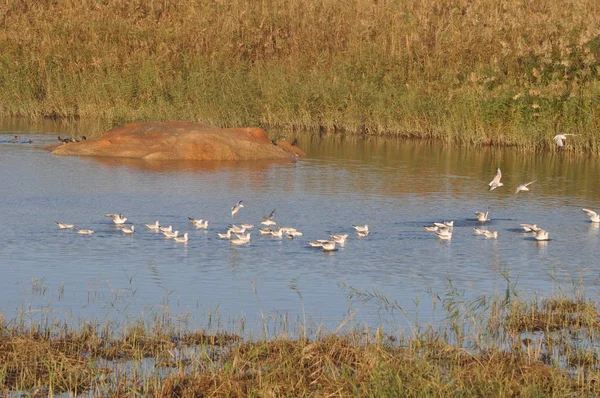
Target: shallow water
(396,187)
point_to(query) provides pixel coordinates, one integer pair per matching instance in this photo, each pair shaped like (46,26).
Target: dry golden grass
(482,72)
(511,358)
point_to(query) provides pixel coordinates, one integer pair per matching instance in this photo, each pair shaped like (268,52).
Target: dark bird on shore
(65,140)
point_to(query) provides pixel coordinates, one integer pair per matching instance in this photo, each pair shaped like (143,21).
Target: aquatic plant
(482,73)
(487,346)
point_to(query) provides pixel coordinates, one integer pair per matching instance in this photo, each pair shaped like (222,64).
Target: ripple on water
(394,187)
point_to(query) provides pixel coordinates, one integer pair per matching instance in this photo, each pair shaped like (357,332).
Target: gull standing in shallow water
(165,229)
(117,219)
(226,235)
(594,217)
(481,216)
(542,235)
(523,187)
(268,220)
(199,223)
(128,230)
(328,246)
(153,227)
(340,239)
(490,234)
(182,239)
(169,234)
(236,208)
(495,183)
(363,228)
(444,234)
(530,227)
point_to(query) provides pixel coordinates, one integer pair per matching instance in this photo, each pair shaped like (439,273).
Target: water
(396,187)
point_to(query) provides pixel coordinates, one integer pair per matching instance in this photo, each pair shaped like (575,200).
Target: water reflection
(187,166)
(394,186)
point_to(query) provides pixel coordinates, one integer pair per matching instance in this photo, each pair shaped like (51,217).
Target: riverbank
(477,74)
(487,347)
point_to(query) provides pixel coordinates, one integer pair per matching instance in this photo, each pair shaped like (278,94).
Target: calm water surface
(395,187)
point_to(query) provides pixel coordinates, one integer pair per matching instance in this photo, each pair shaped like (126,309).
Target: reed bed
(489,346)
(483,72)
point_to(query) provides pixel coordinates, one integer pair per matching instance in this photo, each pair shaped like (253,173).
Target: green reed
(480,73)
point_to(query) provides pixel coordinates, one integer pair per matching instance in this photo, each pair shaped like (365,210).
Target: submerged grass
(481,73)
(501,347)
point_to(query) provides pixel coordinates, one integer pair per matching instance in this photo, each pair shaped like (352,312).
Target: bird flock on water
(241,234)
(236,234)
(443,230)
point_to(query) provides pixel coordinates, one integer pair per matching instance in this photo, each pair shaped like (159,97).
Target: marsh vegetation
(482,73)
(489,346)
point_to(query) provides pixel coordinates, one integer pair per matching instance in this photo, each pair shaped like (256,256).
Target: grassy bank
(482,72)
(488,347)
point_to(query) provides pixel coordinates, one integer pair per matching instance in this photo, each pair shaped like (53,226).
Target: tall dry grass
(482,72)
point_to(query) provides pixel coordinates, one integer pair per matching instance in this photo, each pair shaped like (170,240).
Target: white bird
(318,242)
(247,226)
(165,229)
(169,234)
(64,226)
(277,233)
(479,231)
(481,216)
(530,227)
(119,220)
(541,235)
(236,230)
(153,227)
(199,223)
(128,230)
(594,217)
(265,231)
(430,228)
(268,220)
(495,183)
(490,234)
(328,246)
(182,239)
(226,235)
(363,228)
(444,224)
(523,187)
(84,231)
(561,138)
(236,208)
(241,239)
(443,228)
(340,239)
(446,235)
(362,234)
(245,237)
